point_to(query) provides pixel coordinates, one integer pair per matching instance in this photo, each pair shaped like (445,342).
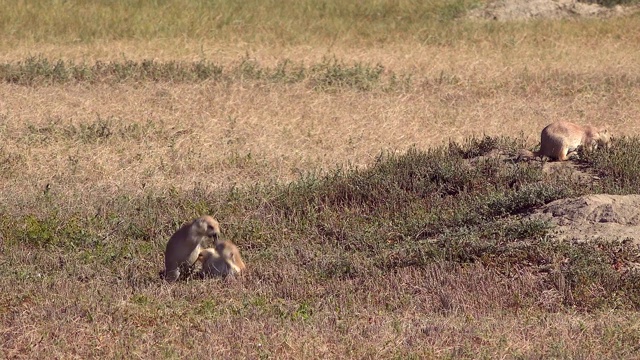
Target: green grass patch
(226,20)
(330,74)
(618,166)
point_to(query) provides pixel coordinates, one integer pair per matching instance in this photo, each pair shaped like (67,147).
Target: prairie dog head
(604,138)
(206,226)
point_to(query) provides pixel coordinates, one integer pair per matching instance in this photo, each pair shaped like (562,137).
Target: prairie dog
(222,260)
(184,246)
(561,138)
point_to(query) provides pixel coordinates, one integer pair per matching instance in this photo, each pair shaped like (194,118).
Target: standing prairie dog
(561,138)
(184,246)
(222,260)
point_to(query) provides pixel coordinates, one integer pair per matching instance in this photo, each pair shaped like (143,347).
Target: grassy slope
(385,258)
(415,252)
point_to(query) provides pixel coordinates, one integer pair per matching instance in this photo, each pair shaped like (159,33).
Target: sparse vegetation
(363,162)
(417,212)
(254,21)
(327,75)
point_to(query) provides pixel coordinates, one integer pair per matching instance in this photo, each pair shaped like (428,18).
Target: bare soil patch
(505,10)
(591,217)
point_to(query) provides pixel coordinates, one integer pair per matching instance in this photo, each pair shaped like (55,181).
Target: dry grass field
(296,125)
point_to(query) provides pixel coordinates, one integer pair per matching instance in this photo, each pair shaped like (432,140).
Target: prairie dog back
(561,138)
(230,253)
(222,260)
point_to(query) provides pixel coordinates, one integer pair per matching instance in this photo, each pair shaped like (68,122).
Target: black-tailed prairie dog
(222,260)
(185,244)
(561,138)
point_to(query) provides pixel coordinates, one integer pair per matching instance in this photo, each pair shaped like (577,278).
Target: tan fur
(560,139)
(222,260)
(184,246)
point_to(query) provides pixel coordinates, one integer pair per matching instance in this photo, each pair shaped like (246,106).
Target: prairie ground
(335,154)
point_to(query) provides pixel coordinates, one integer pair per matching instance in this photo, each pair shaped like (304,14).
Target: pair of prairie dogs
(560,139)
(185,248)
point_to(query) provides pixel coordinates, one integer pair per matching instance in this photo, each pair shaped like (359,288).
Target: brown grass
(169,139)
(176,135)
(437,311)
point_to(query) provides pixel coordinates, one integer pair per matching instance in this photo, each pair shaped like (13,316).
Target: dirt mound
(544,9)
(602,216)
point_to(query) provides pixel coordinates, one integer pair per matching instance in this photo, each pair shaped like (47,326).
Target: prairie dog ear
(200,223)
